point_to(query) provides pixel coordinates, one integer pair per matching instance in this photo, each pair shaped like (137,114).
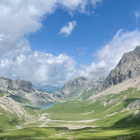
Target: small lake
(46,105)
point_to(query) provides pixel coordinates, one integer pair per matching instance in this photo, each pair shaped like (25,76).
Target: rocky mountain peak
(128,67)
(76,82)
(77,87)
(72,85)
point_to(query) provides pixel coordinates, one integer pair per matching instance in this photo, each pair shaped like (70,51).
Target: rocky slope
(127,68)
(13,107)
(25,90)
(76,88)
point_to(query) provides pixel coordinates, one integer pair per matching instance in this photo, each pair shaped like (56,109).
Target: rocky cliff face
(24,89)
(128,67)
(70,86)
(76,87)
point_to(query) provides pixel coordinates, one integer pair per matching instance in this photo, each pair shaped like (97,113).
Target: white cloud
(137,14)
(18,19)
(36,66)
(66,30)
(109,55)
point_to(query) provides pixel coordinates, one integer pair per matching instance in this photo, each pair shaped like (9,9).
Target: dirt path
(44,123)
(69,126)
(82,121)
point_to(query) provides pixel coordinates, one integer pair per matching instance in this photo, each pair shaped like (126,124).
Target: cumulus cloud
(36,66)
(66,30)
(137,14)
(18,19)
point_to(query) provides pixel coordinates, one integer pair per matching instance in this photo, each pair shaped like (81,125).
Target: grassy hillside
(9,116)
(85,94)
(20,99)
(111,115)
(8,121)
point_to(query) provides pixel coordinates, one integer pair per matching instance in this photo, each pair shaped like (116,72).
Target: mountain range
(101,108)
(82,88)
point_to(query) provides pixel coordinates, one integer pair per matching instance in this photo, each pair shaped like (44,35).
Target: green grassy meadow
(110,121)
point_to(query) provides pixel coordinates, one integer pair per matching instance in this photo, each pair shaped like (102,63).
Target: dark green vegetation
(20,99)
(109,120)
(1,94)
(83,96)
(8,121)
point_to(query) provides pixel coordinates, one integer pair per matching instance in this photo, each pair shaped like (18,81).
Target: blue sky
(54,41)
(92,31)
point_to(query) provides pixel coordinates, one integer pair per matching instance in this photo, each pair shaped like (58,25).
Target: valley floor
(102,118)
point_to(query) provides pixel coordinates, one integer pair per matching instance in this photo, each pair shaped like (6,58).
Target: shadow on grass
(32,107)
(45,133)
(127,122)
(128,101)
(35,133)
(13,122)
(1,130)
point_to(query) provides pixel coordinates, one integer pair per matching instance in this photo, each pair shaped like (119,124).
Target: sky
(54,41)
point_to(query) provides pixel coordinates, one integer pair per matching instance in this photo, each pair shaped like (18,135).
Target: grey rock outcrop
(136,114)
(133,105)
(128,67)
(113,101)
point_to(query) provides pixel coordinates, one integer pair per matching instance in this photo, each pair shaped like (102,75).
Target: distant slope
(46,88)
(79,88)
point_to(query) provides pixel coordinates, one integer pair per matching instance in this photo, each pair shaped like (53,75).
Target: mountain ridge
(76,88)
(25,89)
(127,68)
